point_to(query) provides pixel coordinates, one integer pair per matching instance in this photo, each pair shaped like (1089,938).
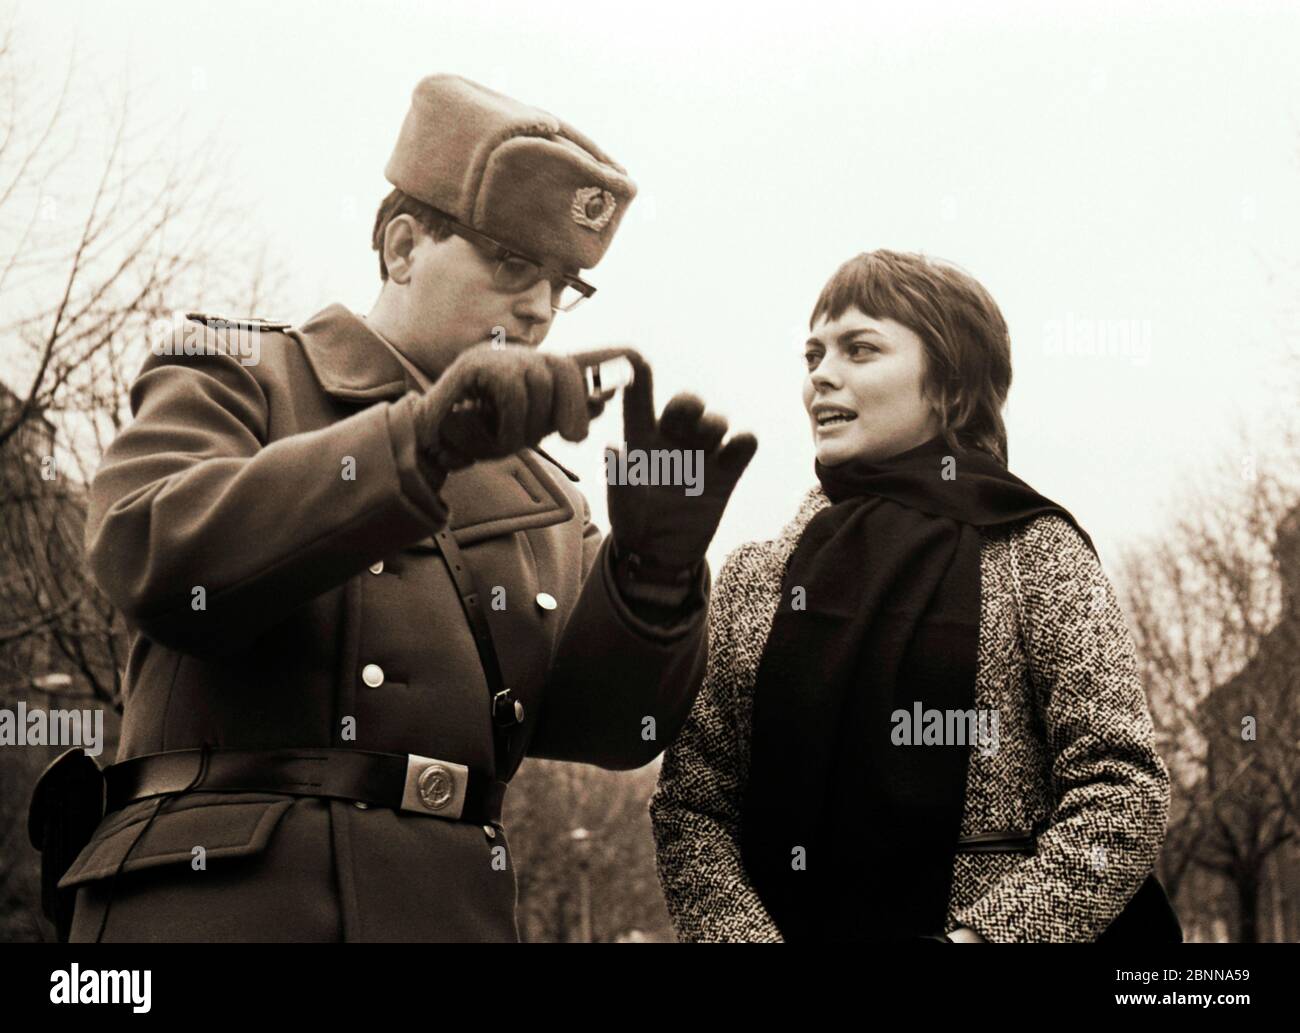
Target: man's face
(450,303)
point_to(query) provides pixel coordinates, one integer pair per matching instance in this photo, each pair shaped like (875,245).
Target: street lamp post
(581,839)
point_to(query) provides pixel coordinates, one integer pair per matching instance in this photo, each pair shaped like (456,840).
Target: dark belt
(401,781)
(1015,841)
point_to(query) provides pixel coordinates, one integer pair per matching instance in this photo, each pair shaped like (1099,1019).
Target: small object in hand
(606,377)
(605,371)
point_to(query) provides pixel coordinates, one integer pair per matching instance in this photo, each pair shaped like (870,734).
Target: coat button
(372,675)
(360,805)
(546,601)
(377,568)
(490,832)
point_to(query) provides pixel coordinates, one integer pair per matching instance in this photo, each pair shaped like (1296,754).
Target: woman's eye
(859,348)
(811,358)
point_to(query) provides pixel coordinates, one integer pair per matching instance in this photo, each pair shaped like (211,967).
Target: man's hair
(399,203)
(967,345)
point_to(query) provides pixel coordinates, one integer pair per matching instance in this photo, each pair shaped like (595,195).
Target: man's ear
(400,237)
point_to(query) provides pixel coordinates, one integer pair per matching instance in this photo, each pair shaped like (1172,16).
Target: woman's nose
(824,377)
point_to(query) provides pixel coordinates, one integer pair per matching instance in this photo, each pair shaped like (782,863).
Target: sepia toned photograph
(650,473)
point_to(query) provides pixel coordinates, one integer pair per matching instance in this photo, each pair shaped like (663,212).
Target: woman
(922,715)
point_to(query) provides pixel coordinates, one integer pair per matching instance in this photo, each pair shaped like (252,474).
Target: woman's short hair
(400,203)
(967,345)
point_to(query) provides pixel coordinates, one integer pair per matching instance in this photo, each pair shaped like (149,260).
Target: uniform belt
(403,781)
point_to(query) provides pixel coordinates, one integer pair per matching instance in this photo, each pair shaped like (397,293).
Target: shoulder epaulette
(250,323)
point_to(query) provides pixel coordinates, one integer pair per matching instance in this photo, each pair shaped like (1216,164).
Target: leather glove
(660,533)
(493,401)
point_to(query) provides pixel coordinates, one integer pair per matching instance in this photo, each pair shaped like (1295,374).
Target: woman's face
(863,389)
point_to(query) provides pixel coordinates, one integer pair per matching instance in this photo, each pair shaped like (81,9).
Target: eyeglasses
(515,272)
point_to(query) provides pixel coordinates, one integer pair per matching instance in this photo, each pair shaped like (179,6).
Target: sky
(1122,172)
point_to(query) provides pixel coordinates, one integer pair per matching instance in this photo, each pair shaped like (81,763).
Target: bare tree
(1215,612)
(107,223)
(105,226)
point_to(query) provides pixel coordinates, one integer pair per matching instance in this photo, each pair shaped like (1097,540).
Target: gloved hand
(493,401)
(665,530)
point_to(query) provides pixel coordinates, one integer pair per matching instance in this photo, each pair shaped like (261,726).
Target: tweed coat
(329,619)
(1076,757)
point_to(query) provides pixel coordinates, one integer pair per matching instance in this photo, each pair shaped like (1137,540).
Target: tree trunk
(1248,907)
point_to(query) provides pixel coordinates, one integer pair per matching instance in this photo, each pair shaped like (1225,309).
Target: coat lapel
(517,493)
(765,585)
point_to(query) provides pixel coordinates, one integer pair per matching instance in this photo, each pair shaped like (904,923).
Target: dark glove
(658,530)
(493,401)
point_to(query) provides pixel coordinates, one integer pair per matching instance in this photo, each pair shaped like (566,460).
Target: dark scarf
(890,580)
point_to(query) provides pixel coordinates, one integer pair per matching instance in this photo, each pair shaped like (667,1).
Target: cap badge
(592,207)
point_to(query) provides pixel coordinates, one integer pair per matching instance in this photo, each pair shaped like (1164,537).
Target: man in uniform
(360,595)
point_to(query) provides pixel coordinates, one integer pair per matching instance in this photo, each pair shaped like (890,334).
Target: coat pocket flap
(223,825)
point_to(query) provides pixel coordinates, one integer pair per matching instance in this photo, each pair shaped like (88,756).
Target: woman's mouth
(831,419)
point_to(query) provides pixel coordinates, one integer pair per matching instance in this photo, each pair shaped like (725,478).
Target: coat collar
(783,545)
(349,359)
(519,492)
(773,554)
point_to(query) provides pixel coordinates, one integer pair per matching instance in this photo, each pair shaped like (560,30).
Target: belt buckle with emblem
(434,787)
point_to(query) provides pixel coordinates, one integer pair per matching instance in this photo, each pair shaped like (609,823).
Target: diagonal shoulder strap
(507,713)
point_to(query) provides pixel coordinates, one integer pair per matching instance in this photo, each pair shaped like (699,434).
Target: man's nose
(534,304)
